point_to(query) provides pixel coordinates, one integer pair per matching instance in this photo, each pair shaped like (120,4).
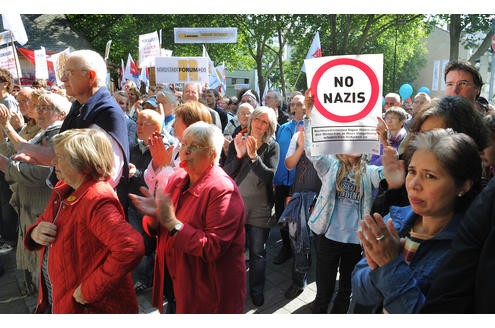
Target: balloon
(405,91)
(425,90)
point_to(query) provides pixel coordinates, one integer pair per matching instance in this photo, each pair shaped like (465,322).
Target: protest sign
(7,61)
(149,48)
(181,69)
(205,35)
(346,91)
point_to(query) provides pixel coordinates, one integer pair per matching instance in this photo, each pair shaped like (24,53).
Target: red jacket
(94,247)
(206,257)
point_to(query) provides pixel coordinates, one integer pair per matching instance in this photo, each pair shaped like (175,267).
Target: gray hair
(457,153)
(399,111)
(393,95)
(91,60)
(272,120)
(61,103)
(169,94)
(206,135)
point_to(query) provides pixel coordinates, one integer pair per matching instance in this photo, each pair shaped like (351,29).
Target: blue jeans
(300,266)
(256,239)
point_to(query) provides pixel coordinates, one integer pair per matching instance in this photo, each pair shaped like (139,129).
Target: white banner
(40,64)
(7,61)
(205,34)
(149,48)
(181,69)
(346,90)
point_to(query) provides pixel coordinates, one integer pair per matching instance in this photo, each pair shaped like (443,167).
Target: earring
(460,194)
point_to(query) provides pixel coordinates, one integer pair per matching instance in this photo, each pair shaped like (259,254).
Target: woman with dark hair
(454,112)
(403,254)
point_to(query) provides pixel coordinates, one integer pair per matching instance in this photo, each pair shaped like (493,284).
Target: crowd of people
(105,195)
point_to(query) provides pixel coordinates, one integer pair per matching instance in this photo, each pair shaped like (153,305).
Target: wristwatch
(176,228)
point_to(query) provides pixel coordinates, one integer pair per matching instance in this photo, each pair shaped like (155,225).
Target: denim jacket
(327,167)
(401,287)
(295,216)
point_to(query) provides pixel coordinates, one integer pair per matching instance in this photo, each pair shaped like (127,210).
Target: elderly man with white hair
(84,75)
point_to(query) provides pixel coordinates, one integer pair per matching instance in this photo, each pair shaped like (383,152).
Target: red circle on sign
(374,89)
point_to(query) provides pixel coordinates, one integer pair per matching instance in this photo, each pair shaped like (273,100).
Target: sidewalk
(278,279)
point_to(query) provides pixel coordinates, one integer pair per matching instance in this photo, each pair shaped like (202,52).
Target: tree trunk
(455,28)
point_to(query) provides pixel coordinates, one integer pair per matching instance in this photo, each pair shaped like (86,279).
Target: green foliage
(263,39)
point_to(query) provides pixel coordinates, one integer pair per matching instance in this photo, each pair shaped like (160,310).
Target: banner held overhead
(205,35)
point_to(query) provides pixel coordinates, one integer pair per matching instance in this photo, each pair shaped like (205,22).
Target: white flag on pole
(314,50)
(213,80)
(13,23)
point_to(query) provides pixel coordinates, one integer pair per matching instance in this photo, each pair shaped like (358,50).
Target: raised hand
(382,131)
(251,147)
(393,168)
(240,145)
(160,155)
(308,102)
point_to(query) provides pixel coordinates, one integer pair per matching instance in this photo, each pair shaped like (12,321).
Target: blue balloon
(405,91)
(425,90)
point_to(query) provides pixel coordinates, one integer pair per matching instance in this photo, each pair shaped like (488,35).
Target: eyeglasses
(68,73)
(40,109)
(460,84)
(191,148)
(391,119)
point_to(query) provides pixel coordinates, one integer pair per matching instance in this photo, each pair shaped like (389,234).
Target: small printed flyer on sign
(347,101)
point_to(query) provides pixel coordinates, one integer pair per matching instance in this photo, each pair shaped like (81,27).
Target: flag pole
(297,79)
(17,64)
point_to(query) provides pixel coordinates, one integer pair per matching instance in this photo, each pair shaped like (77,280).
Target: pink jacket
(205,258)
(94,247)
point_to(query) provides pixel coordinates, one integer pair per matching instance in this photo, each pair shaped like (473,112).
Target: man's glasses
(460,84)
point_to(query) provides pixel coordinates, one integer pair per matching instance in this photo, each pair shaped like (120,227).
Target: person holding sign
(345,197)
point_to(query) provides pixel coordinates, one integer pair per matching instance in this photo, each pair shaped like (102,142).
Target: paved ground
(12,299)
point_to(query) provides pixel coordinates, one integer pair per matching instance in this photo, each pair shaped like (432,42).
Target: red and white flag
(314,50)
(131,71)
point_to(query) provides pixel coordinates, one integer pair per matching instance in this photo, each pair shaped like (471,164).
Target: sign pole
(492,72)
(17,64)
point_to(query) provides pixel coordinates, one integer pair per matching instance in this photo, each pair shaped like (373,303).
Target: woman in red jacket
(199,222)
(87,248)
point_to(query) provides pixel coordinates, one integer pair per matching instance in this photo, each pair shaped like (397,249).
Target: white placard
(181,69)
(7,61)
(346,90)
(41,66)
(149,48)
